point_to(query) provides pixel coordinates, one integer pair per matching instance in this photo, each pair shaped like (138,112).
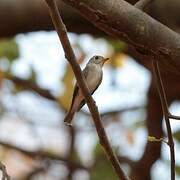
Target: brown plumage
(93,76)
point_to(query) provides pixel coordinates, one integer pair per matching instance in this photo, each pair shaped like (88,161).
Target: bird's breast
(94,78)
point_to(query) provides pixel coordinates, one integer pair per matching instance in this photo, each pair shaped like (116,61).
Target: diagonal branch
(69,54)
(142,4)
(29,85)
(164,105)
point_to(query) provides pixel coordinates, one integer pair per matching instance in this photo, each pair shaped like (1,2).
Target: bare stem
(164,105)
(171,116)
(70,56)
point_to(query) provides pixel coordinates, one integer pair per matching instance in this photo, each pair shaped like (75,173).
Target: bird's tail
(69,117)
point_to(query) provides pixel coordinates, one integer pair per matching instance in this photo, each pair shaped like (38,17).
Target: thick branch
(61,30)
(31,15)
(120,19)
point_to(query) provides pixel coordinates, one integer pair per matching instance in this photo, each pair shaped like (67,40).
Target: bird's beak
(105,59)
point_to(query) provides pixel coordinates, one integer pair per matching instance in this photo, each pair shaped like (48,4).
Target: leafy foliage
(117,45)
(9,49)
(176,135)
(65,99)
(177,170)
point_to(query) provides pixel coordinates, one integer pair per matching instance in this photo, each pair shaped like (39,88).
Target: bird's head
(98,60)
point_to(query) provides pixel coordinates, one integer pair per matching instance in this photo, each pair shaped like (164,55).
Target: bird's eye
(96,57)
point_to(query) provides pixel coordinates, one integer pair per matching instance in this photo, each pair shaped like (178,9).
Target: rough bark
(121,20)
(20,16)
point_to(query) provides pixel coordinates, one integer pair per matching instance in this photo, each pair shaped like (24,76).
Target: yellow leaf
(154,139)
(151,138)
(118,60)
(68,79)
(65,99)
(1,78)
(9,48)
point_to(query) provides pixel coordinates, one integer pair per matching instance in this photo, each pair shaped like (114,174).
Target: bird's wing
(76,88)
(83,101)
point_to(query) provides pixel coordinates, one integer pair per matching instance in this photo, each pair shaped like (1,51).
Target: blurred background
(36,86)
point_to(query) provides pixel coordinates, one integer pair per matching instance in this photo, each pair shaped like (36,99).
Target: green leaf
(118,45)
(33,76)
(9,49)
(154,139)
(177,168)
(102,168)
(176,135)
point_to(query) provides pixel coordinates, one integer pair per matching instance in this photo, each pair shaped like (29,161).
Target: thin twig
(164,105)
(41,154)
(173,116)
(69,54)
(142,4)
(114,112)
(71,151)
(29,85)
(31,175)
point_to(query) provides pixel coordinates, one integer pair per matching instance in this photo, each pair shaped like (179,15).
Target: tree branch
(69,54)
(142,4)
(43,155)
(23,22)
(33,173)
(164,105)
(152,151)
(122,20)
(28,85)
(71,151)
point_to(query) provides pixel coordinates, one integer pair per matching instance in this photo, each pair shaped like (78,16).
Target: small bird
(93,75)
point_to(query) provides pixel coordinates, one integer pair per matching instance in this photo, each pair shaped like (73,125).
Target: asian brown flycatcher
(93,75)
